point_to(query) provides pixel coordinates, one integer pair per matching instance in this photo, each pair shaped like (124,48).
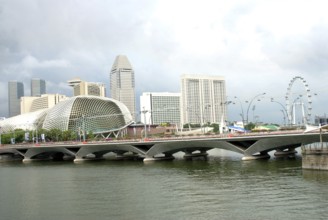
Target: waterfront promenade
(250,146)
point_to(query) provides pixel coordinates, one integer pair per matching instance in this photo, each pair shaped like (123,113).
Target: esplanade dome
(88,113)
(79,113)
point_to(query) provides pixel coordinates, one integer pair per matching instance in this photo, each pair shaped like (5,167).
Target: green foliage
(165,124)
(68,135)
(191,125)
(90,135)
(250,126)
(216,127)
(55,134)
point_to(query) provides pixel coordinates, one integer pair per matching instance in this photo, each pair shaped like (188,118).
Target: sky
(258,46)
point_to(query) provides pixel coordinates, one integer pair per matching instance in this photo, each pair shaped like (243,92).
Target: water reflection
(221,187)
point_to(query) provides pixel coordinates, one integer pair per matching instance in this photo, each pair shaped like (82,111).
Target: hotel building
(203,99)
(161,107)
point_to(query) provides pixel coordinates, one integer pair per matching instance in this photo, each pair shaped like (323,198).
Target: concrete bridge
(250,146)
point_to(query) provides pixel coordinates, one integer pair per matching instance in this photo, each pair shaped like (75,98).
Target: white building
(87,88)
(32,104)
(122,83)
(203,99)
(160,107)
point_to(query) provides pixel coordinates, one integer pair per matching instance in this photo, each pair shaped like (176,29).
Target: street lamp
(242,110)
(83,127)
(250,103)
(283,111)
(0,136)
(203,114)
(144,111)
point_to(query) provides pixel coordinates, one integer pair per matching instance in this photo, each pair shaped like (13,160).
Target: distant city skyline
(258,46)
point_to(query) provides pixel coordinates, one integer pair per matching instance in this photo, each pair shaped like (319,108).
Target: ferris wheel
(291,104)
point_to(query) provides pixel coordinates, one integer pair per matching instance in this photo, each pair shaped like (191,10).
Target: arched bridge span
(245,145)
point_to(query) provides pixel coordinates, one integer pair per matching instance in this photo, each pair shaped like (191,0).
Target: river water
(222,187)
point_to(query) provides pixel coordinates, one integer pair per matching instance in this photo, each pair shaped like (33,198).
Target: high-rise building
(38,87)
(122,83)
(203,99)
(160,107)
(15,92)
(32,103)
(87,88)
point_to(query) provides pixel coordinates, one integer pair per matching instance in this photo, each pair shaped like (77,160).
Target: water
(223,187)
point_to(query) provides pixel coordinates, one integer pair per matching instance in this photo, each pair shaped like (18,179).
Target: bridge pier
(126,156)
(167,156)
(290,152)
(189,154)
(262,155)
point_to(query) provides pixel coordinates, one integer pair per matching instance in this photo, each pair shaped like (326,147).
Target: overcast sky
(258,46)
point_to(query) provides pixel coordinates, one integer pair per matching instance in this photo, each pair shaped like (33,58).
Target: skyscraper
(122,83)
(15,92)
(38,87)
(203,99)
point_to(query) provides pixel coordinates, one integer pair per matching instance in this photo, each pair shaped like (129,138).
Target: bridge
(250,146)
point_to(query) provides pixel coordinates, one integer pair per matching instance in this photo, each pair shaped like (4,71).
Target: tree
(69,135)
(250,126)
(55,134)
(90,135)
(216,127)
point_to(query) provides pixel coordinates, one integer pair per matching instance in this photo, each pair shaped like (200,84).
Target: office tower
(87,88)
(122,83)
(38,87)
(160,107)
(15,92)
(32,104)
(203,99)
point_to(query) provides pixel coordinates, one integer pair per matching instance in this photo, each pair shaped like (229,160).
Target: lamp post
(36,133)
(83,127)
(250,103)
(203,115)
(144,111)
(242,110)
(284,110)
(0,136)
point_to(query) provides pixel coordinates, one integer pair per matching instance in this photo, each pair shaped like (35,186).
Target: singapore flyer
(301,99)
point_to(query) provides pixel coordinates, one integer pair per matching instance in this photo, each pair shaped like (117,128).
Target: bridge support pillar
(167,156)
(189,154)
(290,152)
(27,160)
(262,155)
(78,160)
